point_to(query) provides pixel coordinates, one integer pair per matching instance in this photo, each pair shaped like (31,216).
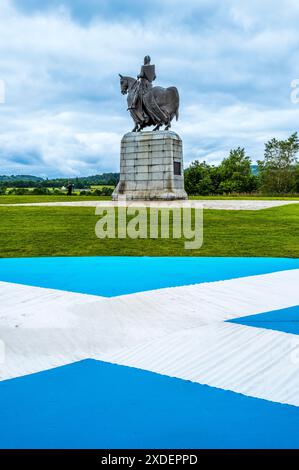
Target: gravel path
(206,204)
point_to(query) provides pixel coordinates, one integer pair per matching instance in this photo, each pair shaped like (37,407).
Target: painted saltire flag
(149,352)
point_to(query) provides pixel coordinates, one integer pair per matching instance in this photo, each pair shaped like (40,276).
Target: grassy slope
(69,231)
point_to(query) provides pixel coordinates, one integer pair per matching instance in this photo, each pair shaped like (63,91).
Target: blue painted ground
(285,319)
(110,276)
(93,404)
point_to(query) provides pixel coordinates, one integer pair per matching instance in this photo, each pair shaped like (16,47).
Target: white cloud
(212,136)
(232,63)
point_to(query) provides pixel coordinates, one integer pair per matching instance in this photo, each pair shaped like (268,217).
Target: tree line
(277,173)
(26,181)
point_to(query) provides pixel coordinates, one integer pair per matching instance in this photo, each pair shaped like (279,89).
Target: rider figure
(145,78)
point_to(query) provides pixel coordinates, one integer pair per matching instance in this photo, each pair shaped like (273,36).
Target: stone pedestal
(151,167)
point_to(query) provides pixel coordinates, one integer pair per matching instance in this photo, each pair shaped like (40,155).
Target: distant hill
(12,178)
(24,181)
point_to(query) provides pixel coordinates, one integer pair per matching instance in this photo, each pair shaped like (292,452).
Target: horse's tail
(177,101)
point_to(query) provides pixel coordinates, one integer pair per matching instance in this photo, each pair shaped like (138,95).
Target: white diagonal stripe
(44,328)
(252,361)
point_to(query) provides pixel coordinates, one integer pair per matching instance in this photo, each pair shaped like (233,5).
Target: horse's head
(126,83)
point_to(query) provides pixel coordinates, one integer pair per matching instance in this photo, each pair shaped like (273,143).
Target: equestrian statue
(148,105)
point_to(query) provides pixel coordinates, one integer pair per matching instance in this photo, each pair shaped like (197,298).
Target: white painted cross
(179,332)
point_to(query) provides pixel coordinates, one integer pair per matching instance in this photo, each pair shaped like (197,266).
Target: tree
(296,177)
(235,173)
(198,178)
(278,169)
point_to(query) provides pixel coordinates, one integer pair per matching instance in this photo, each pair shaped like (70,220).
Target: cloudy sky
(232,60)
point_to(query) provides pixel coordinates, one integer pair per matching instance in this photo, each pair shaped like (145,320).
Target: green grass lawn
(250,198)
(49,198)
(70,231)
(101,186)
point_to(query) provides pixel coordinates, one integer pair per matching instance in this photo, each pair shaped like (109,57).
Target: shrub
(19,191)
(40,191)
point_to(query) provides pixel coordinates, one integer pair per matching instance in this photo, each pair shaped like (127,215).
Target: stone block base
(151,167)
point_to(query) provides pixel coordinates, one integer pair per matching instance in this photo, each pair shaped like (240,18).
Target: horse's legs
(142,125)
(135,128)
(157,127)
(168,124)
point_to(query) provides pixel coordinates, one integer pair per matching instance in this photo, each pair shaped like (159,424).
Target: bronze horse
(157,107)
